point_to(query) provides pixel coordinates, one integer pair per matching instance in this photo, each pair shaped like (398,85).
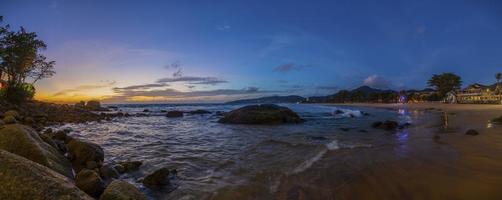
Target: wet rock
(2,124)
(108,172)
(316,138)
(146,110)
(199,112)
(130,166)
(497,120)
(121,190)
(90,182)
(119,168)
(81,152)
(25,179)
(337,112)
(24,141)
(157,179)
(94,106)
(261,114)
(60,135)
(174,113)
(472,132)
(386,125)
(29,120)
(345,129)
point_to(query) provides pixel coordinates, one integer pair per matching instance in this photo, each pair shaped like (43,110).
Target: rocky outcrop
(472,132)
(24,179)
(386,125)
(199,112)
(90,182)
(174,113)
(85,155)
(261,114)
(25,142)
(121,190)
(157,179)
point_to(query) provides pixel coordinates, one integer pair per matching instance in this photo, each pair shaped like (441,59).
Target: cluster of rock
(40,114)
(92,105)
(43,166)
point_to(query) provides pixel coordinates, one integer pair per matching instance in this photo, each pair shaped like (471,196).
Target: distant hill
(360,94)
(270,99)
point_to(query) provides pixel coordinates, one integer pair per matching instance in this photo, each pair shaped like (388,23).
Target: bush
(17,93)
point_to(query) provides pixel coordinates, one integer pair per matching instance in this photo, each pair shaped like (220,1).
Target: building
(479,94)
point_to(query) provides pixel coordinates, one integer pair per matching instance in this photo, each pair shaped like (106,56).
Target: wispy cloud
(225,27)
(327,87)
(289,67)
(193,80)
(140,87)
(83,88)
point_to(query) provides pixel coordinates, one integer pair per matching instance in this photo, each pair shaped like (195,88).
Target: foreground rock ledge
(25,179)
(261,114)
(121,190)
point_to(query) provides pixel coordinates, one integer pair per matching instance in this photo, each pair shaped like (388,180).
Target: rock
(121,190)
(90,182)
(146,110)
(91,164)
(472,132)
(199,112)
(157,179)
(24,141)
(108,172)
(80,153)
(261,114)
(386,125)
(174,113)
(60,135)
(25,179)
(93,105)
(337,112)
(47,139)
(9,119)
(120,169)
(12,113)
(29,120)
(80,104)
(130,166)
(345,129)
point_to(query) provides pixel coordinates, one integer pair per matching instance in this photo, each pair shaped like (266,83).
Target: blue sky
(124,51)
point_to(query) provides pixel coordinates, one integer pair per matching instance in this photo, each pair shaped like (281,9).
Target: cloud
(376,81)
(193,80)
(223,27)
(140,87)
(288,67)
(82,88)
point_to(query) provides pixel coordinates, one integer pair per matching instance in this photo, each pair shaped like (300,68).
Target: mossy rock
(121,190)
(9,119)
(12,113)
(24,141)
(25,179)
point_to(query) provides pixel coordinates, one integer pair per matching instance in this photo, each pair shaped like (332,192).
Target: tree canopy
(445,82)
(21,63)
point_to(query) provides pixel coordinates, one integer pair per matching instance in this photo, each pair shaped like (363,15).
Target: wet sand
(432,160)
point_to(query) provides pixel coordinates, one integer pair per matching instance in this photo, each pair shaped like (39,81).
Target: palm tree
(498,76)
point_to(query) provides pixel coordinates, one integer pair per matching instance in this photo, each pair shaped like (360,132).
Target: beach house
(479,94)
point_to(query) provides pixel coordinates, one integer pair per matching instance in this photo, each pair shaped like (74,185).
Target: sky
(216,51)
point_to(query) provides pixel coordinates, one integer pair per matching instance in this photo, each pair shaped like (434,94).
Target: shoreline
(435,161)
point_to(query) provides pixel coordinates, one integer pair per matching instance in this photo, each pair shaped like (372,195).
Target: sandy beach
(435,159)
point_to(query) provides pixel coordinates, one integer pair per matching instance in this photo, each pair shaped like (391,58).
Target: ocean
(223,160)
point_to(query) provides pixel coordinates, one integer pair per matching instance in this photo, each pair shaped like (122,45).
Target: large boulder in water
(157,179)
(24,179)
(85,155)
(174,113)
(261,114)
(121,190)
(25,142)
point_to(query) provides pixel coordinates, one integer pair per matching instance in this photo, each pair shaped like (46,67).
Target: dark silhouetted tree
(445,83)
